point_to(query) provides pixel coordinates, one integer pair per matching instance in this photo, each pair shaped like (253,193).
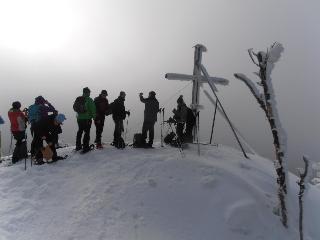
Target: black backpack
(79,105)
(169,138)
(138,141)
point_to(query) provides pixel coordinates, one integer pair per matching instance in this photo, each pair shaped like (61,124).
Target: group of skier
(96,110)
(45,123)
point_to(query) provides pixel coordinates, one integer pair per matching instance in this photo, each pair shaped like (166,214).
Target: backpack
(138,141)
(47,153)
(79,105)
(169,138)
(34,113)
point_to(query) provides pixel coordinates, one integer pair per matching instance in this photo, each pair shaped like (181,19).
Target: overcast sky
(55,48)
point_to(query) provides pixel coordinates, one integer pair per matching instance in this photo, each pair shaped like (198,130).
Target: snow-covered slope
(149,194)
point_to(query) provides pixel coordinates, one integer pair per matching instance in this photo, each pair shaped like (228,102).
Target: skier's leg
(86,138)
(79,134)
(144,131)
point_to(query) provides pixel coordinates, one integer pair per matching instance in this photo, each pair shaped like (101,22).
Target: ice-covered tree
(264,94)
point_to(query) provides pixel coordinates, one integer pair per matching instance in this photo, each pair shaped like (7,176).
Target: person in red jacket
(18,128)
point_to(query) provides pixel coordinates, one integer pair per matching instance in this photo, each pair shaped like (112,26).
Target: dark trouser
(148,127)
(20,150)
(188,134)
(180,127)
(118,129)
(99,122)
(84,126)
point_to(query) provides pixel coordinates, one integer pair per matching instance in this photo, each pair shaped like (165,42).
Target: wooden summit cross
(197,78)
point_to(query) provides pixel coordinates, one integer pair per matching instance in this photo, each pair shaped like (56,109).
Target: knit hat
(39,100)
(16,105)
(104,92)
(60,118)
(180,99)
(86,90)
(122,94)
(152,93)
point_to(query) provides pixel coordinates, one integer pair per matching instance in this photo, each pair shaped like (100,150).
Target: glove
(127,112)
(140,94)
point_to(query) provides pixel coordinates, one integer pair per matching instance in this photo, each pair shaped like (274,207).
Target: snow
(150,194)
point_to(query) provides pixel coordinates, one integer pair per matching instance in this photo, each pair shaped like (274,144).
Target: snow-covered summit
(149,194)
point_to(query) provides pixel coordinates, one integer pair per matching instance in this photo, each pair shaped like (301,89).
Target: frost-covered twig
(250,51)
(265,61)
(301,183)
(254,90)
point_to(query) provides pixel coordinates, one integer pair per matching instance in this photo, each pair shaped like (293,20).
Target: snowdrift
(149,194)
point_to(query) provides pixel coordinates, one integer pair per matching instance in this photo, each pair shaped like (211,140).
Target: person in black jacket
(180,115)
(102,106)
(47,129)
(150,116)
(118,115)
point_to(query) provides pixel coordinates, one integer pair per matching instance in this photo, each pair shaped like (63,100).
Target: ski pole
(213,121)
(26,154)
(10,143)
(125,133)
(0,147)
(178,142)
(162,127)
(198,129)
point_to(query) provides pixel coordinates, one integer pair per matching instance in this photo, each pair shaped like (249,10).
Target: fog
(55,48)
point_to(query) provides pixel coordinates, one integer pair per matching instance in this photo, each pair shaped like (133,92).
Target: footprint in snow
(152,183)
(208,182)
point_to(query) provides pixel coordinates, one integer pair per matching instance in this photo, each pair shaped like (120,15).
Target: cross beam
(197,78)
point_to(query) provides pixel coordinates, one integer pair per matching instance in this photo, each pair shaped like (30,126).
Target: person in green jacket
(86,111)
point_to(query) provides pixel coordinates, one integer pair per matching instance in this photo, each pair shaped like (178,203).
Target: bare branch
(254,90)
(250,51)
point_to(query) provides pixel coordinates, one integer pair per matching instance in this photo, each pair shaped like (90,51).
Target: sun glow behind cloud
(35,26)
